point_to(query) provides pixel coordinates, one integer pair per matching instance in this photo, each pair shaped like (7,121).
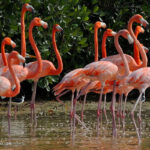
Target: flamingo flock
(119,74)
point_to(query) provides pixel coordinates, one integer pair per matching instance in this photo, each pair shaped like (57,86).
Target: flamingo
(5,83)
(47,69)
(76,84)
(104,71)
(21,72)
(126,90)
(138,79)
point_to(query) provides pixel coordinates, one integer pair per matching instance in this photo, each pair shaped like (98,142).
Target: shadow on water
(53,132)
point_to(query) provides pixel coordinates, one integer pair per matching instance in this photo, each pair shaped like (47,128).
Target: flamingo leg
(74,111)
(118,110)
(58,97)
(15,112)
(99,113)
(71,111)
(105,113)
(9,115)
(113,110)
(84,102)
(74,103)
(124,115)
(133,119)
(33,114)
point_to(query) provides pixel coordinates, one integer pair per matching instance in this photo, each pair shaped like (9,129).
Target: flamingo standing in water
(126,90)
(104,71)
(47,69)
(5,83)
(140,78)
(76,84)
(21,72)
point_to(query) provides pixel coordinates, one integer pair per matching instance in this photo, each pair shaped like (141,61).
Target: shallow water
(53,133)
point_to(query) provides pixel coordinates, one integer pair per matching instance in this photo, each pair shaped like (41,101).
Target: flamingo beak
(21,58)
(113,33)
(13,44)
(103,25)
(44,24)
(144,22)
(145,49)
(30,56)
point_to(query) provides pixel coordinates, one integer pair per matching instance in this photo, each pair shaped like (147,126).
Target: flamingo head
(139,29)
(125,33)
(110,32)
(38,22)
(58,28)
(99,24)
(16,56)
(8,41)
(139,19)
(27,7)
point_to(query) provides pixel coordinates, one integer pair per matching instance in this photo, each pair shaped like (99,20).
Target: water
(53,133)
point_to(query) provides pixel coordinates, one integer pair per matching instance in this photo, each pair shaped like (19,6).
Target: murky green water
(53,133)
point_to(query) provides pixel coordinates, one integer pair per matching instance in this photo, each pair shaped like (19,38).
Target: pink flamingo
(5,84)
(126,89)
(104,71)
(47,69)
(76,84)
(138,79)
(21,72)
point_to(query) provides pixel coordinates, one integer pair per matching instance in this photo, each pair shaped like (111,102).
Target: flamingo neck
(143,54)
(60,63)
(37,53)
(119,49)
(3,53)
(96,42)
(104,53)
(13,93)
(23,40)
(136,51)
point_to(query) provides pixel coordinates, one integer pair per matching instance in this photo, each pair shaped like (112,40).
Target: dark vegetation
(77,18)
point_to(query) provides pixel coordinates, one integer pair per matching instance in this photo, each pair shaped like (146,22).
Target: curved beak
(13,44)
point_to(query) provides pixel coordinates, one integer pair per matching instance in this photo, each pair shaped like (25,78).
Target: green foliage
(77,18)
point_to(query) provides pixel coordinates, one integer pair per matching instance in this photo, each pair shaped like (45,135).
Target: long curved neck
(136,51)
(23,40)
(119,49)
(13,93)
(104,53)
(96,43)
(37,53)
(3,54)
(60,63)
(143,54)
